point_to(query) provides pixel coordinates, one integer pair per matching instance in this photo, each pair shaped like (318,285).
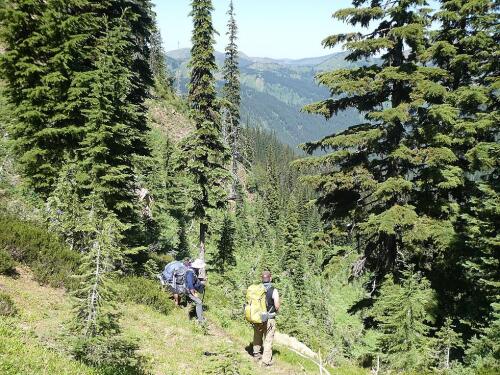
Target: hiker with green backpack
(263,303)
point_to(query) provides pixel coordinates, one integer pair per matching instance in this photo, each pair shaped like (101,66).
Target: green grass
(21,353)
(171,343)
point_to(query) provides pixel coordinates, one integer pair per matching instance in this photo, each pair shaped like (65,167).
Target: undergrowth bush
(51,261)
(7,306)
(7,263)
(111,355)
(146,292)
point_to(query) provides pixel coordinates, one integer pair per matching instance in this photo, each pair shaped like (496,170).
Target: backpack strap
(269,300)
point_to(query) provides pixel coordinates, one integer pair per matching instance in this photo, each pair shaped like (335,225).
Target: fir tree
(293,248)
(157,62)
(97,336)
(466,46)
(483,354)
(231,94)
(207,153)
(40,65)
(115,126)
(95,297)
(447,339)
(272,189)
(65,207)
(404,313)
(48,63)
(386,183)
(224,256)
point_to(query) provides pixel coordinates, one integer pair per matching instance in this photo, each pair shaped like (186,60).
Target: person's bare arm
(276,299)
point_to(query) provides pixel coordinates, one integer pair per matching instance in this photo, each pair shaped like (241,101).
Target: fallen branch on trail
(300,349)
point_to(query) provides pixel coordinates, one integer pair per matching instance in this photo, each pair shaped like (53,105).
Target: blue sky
(268,28)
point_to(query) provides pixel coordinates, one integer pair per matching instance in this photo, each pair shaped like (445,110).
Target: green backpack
(255,308)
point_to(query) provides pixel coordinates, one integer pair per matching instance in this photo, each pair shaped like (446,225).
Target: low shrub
(51,261)
(7,306)
(146,292)
(113,355)
(7,263)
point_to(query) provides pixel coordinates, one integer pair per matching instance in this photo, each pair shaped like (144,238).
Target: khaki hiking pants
(264,334)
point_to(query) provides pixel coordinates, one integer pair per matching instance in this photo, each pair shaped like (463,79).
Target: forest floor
(35,342)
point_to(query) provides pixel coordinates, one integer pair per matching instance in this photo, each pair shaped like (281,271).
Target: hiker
(173,278)
(263,332)
(194,286)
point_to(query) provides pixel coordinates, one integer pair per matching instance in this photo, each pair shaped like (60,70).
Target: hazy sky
(267,28)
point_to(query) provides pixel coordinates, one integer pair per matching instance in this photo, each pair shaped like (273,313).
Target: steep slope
(274,92)
(171,344)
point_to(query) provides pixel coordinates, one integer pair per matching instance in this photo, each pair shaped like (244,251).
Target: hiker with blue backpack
(263,303)
(174,278)
(181,278)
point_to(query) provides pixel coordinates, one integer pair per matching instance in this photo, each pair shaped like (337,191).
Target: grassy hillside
(34,342)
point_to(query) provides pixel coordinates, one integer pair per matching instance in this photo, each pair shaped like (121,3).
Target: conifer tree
(404,313)
(224,256)
(447,340)
(97,336)
(50,54)
(65,207)
(466,46)
(483,354)
(386,182)
(207,153)
(293,247)
(272,189)
(157,62)
(231,94)
(95,297)
(39,65)
(115,126)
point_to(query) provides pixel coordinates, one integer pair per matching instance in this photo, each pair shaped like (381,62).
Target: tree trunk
(447,359)
(203,234)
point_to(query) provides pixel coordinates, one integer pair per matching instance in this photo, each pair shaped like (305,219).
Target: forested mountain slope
(382,239)
(274,92)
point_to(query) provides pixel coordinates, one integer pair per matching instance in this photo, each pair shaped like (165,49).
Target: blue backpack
(174,274)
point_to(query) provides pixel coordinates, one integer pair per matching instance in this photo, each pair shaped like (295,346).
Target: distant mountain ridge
(275,90)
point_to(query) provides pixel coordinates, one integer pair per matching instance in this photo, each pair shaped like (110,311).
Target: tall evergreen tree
(447,340)
(224,256)
(293,249)
(115,126)
(53,84)
(97,336)
(95,297)
(387,181)
(231,93)
(207,153)
(272,188)
(158,64)
(466,46)
(40,64)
